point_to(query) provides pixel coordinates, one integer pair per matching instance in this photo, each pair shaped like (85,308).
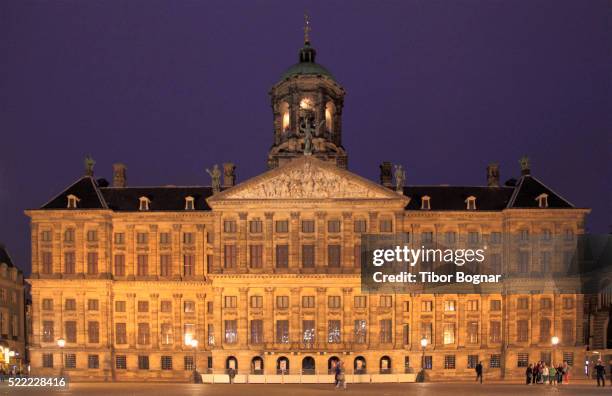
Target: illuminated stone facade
(12,314)
(265,273)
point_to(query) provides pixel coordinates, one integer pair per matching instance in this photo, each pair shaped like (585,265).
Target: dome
(306,68)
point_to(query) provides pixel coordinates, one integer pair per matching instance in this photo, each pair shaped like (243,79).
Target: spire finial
(89,165)
(307,28)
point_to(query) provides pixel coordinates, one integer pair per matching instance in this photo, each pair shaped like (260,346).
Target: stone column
(294,242)
(154,321)
(321,321)
(218,317)
(268,315)
(177,265)
(243,325)
(56,250)
(200,252)
(348,259)
(79,254)
(177,309)
(131,319)
(268,254)
(321,241)
(347,316)
(373,226)
(130,254)
(398,320)
(372,334)
(294,328)
(154,250)
(241,243)
(201,321)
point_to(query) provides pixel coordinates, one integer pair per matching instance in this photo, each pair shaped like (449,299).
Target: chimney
(525,168)
(386,176)
(493,175)
(229,175)
(119,175)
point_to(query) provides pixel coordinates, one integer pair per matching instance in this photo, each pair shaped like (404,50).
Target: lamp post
(61,343)
(554,341)
(194,345)
(424,343)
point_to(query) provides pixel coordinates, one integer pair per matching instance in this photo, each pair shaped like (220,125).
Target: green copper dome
(307,65)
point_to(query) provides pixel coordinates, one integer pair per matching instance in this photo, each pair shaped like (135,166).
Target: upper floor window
(524,235)
(473,237)
(308,226)
(282,226)
(333,226)
(425,203)
(164,238)
(92,236)
(73,200)
(333,302)
(119,238)
(330,110)
(470,203)
(142,237)
(285,116)
(449,305)
(496,237)
(450,237)
(230,302)
(546,234)
(143,203)
(359,225)
(427,237)
(69,235)
(189,203)
(542,200)
(229,226)
(188,238)
(255,226)
(569,234)
(282,302)
(386,225)
(45,236)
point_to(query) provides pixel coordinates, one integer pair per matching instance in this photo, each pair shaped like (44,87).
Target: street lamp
(61,343)
(554,341)
(424,343)
(194,345)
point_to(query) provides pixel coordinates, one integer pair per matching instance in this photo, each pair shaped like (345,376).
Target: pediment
(307,178)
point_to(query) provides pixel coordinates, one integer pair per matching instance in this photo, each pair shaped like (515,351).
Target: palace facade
(265,274)
(12,314)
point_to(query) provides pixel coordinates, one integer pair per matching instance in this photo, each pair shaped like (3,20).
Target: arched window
(144,203)
(331,364)
(330,113)
(189,203)
(385,365)
(282,365)
(542,200)
(231,363)
(73,200)
(308,365)
(285,116)
(425,202)
(360,365)
(257,365)
(471,203)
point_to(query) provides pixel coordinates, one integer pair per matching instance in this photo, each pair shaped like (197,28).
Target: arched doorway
(257,365)
(385,365)
(231,363)
(360,365)
(331,364)
(282,365)
(308,365)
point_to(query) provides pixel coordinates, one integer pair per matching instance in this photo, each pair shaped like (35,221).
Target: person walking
(232,374)
(479,372)
(529,374)
(600,370)
(341,375)
(337,374)
(552,375)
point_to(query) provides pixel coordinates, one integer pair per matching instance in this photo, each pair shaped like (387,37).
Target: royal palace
(263,276)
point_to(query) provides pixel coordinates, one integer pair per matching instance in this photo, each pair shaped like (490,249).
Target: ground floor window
(282,365)
(70,361)
(308,365)
(360,365)
(120,362)
(522,360)
(188,363)
(545,357)
(93,361)
(257,365)
(47,360)
(568,357)
(449,362)
(427,362)
(407,368)
(472,361)
(385,365)
(495,361)
(143,362)
(166,362)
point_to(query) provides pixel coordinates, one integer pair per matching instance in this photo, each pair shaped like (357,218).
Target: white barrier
(306,379)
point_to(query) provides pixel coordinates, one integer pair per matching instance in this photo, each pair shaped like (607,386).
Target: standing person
(479,372)
(529,373)
(566,370)
(560,374)
(232,374)
(600,370)
(341,375)
(552,375)
(337,374)
(545,373)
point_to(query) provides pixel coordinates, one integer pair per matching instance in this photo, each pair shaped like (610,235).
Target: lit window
(330,110)
(144,203)
(542,200)
(471,203)
(425,203)
(306,104)
(189,203)
(73,200)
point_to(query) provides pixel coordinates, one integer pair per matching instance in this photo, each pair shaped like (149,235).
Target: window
(524,235)
(164,238)
(522,330)
(308,331)
(119,238)
(70,304)
(360,331)
(47,360)
(470,203)
(119,306)
(495,305)
(406,305)
(308,256)
(333,256)
(47,335)
(386,331)
(569,358)
(92,236)
(522,360)
(523,262)
(545,330)
(333,302)
(188,264)
(230,256)
(282,256)
(47,263)
(472,305)
(473,237)
(255,226)
(449,362)
(92,263)
(282,226)
(188,238)
(361,301)
(231,332)
(386,301)
(229,226)
(357,255)
(69,235)
(255,256)
(569,235)
(449,305)
(495,331)
(333,331)
(427,331)
(93,361)
(545,303)
(545,262)
(495,361)
(308,301)
(546,235)
(143,306)
(256,331)
(308,226)
(210,307)
(230,302)
(189,203)
(542,200)
(71,331)
(69,263)
(143,334)
(333,226)
(142,238)
(47,304)
(143,362)
(45,236)
(143,203)
(496,237)
(167,337)
(523,303)
(93,332)
(426,306)
(210,334)
(427,237)
(450,237)
(282,331)
(427,362)
(165,265)
(568,303)
(472,332)
(472,361)
(425,203)
(120,362)
(406,334)
(360,226)
(92,304)
(119,265)
(449,333)
(386,225)
(188,363)
(256,301)
(189,306)
(166,362)
(282,302)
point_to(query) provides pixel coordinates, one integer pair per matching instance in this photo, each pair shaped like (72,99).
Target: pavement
(425,389)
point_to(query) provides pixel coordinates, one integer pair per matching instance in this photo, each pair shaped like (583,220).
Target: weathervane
(307,28)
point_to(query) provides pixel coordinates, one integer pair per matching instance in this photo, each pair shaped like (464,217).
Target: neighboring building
(265,273)
(12,314)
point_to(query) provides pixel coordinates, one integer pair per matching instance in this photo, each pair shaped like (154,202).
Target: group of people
(541,373)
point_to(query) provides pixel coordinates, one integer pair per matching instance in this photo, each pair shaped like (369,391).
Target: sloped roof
(162,198)
(529,188)
(85,189)
(5,257)
(453,197)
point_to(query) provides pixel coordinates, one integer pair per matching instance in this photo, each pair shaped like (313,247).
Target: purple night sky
(172,87)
